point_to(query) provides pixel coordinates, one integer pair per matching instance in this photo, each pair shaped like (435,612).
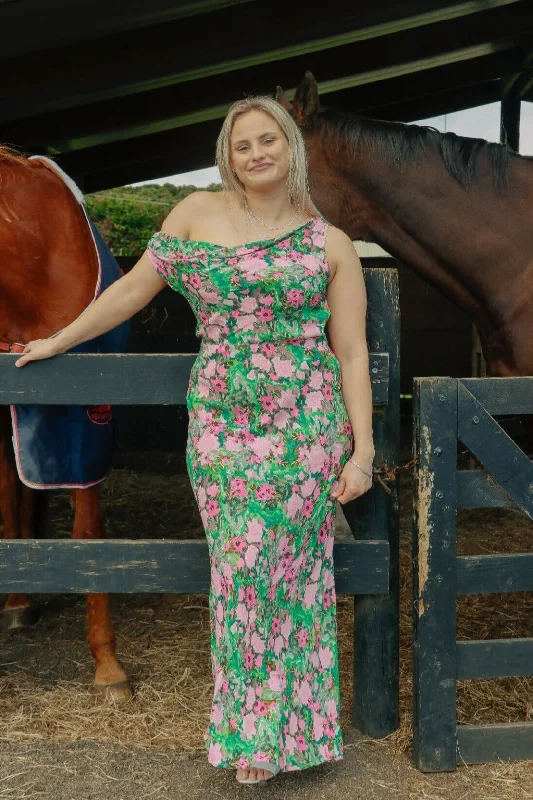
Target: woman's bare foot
(253,774)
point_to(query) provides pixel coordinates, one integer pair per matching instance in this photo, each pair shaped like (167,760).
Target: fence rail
(157,565)
(122,379)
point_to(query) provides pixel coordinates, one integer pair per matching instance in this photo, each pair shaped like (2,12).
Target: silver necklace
(270,227)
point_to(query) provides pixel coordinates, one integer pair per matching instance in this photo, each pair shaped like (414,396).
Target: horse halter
(11,347)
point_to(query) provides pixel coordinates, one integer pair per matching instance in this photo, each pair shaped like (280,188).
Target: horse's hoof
(14,619)
(120,692)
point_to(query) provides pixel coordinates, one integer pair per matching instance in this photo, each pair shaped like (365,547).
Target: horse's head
(330,178)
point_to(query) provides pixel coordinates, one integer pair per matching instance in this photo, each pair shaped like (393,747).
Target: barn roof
(123,92)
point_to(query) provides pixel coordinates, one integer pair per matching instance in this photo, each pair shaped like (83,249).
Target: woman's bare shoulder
(337,238)
(180,220)
(340,252)
(339,246)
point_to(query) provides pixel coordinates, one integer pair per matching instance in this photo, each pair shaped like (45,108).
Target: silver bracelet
(368,474)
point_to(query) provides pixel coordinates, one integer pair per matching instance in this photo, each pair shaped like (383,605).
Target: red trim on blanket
(31,484)
(11,347)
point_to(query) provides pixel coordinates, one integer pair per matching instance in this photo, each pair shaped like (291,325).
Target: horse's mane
(13,156)
(402,143)
(10,154)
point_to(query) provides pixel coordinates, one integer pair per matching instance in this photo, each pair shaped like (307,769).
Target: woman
(273,417)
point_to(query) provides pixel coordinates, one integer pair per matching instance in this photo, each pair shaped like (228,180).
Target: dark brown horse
(459,211)
(48,272)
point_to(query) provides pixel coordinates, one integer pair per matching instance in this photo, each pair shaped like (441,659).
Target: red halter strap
(11,347)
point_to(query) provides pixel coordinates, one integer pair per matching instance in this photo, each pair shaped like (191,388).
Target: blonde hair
(297,185)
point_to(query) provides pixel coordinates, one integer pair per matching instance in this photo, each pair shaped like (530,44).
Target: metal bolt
(442,397)
(438,754)
(530,487)
(375,370)
(440,495)
(437,451)
(474,420)
(438,579)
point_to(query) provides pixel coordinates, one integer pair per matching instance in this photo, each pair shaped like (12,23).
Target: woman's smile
(260,167)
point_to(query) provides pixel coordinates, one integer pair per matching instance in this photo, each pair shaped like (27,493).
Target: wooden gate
(366,565)
(447,410)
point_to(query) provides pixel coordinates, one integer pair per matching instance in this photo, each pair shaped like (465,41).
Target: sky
(482,122)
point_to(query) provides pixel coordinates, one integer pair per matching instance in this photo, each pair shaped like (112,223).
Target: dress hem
(314,763)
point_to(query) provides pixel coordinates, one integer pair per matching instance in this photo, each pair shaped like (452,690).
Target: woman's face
(259,151)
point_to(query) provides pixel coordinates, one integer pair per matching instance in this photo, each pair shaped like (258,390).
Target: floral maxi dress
(268,436)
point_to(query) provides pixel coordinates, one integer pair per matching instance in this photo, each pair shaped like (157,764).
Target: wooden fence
(365,566)
(448,410)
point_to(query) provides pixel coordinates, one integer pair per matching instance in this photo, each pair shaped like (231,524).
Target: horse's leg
(20,508)
(109,675)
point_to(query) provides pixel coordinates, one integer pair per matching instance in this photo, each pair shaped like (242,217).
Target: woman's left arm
(347,300)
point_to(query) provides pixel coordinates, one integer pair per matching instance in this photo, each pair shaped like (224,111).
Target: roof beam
(151,112)
(145,170)
(408,97)
(38,83)
(366,79)
(438,103)
(59,26)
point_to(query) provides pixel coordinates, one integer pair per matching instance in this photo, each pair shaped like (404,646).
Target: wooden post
(375,516)
(510,106)
(435,575)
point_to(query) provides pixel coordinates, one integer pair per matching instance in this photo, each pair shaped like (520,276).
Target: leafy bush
(128,216)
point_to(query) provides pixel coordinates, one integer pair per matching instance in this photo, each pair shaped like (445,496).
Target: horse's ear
(282,99)
(306,102)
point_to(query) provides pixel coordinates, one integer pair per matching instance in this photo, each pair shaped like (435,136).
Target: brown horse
(459,211)
(48,272)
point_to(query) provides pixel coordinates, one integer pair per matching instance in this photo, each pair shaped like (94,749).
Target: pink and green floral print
(268,436)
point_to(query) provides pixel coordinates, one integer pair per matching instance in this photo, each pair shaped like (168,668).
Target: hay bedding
(163,640)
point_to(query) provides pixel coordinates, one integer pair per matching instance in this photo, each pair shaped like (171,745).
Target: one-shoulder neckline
(246,245)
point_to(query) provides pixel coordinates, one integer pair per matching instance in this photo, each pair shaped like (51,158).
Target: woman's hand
(352,482)
(37,350)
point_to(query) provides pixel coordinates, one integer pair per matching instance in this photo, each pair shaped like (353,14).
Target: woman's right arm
(121,300)
(117,303)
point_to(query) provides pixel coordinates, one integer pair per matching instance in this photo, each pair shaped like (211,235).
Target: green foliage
(128,216)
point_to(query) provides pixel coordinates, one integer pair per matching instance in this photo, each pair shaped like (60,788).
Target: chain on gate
(386,474)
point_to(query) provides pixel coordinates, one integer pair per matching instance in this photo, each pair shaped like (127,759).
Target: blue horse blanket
(71,447)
